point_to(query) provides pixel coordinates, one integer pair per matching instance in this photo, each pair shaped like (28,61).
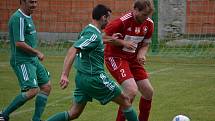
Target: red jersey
(131,31)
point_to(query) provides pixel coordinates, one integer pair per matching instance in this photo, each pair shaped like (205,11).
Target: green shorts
(31,74)
(99,87)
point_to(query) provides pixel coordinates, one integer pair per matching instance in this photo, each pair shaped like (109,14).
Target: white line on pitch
(161,70)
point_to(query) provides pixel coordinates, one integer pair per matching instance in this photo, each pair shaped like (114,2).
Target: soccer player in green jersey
(34,79)
(91,80)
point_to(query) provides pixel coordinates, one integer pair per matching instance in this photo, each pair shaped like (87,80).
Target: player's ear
(103,17)
(106,16)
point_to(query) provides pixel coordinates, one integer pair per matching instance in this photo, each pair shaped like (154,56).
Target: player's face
(105,20)
(140,16)
(30,6)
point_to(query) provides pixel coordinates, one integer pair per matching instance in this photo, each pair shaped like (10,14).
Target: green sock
(130,114)
(16,103)
(63,116)
(40,104)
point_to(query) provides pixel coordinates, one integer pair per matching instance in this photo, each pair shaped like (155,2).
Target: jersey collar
(95,27)
(23,13)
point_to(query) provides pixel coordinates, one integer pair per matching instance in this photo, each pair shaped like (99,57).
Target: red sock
(120,115)
(144,107)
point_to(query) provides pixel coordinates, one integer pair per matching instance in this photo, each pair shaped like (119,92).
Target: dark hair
(20,1)
(99,11)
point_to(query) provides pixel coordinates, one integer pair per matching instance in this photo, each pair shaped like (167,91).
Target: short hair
(99,11)
(20,1)
(144,5)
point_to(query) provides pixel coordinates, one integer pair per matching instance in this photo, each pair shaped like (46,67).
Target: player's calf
(127,109)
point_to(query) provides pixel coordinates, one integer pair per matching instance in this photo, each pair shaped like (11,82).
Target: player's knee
(151,92)
(126,102)
(46,88)
(32,93)
(74,115)
(148,94)
(132,92)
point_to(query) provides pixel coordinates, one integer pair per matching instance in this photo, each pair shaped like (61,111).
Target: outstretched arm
(68,61)
(114,39)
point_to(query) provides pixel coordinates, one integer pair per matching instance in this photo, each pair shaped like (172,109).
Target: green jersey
(21,28)
(90,59)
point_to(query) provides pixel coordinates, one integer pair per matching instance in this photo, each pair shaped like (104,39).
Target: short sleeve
(86,41)
(150,26)
(150,30)
(17,27)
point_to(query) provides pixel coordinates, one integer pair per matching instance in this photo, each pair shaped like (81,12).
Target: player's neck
(96,24)
(25,12)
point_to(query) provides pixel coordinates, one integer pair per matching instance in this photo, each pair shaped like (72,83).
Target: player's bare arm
(111,39)
(141,55)
(114,39)
(28,49)
(68,61)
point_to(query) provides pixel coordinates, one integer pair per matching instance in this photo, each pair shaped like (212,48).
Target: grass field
(182,86)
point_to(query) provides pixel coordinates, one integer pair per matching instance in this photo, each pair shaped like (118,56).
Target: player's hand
(130,45)
(40,56)
(64,82)
(141,59)
(117,35)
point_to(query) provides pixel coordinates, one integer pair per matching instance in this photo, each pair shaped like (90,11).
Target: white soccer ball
(181,118)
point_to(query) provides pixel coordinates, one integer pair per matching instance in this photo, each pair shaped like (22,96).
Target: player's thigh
(26,74)
(43,76)
(138,71)
(99,87)
(80,96)
(130,87)
(119,68)
(144,85)
(145,88)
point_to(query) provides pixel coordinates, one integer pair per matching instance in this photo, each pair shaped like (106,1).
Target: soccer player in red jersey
(127,40)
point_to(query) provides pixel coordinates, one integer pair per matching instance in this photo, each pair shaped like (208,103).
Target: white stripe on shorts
(24,72)
(113,63)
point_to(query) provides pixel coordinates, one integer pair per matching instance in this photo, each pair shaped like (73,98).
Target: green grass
(185,86)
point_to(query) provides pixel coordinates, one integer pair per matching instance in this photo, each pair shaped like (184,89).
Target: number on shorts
(122,71)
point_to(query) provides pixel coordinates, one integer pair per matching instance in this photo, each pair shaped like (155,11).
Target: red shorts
(123,69)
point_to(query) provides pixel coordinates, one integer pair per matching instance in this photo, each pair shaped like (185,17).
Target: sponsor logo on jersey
(135,39)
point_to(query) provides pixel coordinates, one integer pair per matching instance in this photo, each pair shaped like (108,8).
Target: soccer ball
(181,118)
